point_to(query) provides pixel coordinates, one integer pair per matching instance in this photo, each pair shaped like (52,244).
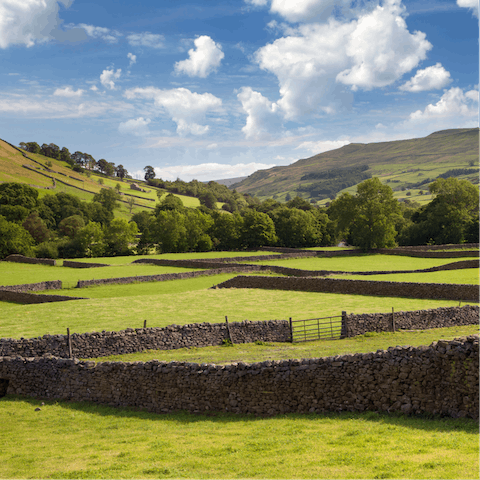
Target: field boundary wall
(359,324)
(31,298)
(438,379)
(100,344)
(73,264)
(357,287)
(33,287)
(96,344)
(35,261)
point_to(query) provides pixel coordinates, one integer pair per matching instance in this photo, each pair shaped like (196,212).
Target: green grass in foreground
(261,351)
(81,440)
(465,276)
(181,302)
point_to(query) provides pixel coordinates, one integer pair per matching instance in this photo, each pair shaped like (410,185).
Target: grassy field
(261,351)
(363,263)
(81,440)
(181,302)
(19,273)
(466,275)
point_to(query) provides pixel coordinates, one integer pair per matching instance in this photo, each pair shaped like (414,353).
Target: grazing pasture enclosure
(84,440)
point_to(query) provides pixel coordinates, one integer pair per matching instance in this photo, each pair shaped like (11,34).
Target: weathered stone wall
(36,261)
(358,324)
(357,287)
(32,298)
(166,276)
(91,345)
(33,287)
(73,264)
(439,379)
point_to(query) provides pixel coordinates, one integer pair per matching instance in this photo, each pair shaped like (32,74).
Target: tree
(449,217)
(369,216)
(170,202)
(208,199)
(258,230)
(131,203)
(37,228)
(32,147)
(149,173)
(65,156)
(226,231)
(12,193)
(51,150)
(14,239)
(90,238)
(119,235)
(70,226)
(296,228)
(121,172)
(168,231)
(108,198)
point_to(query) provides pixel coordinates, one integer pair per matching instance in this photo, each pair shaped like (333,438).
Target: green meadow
(81,440)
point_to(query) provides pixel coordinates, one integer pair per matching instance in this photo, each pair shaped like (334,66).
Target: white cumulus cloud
(455,109)
(27,22)
(137,126)
(204,59)
(322,145)
(262,114)
(103,33)
(206,171)
(146,39)
(108,78)
(132,58)
(68,92)
(472,4)
(431,78)
(187,109)
(315,61)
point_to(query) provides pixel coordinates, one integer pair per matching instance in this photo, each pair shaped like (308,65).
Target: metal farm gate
(327,328)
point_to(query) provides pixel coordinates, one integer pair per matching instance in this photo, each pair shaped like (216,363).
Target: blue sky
(219,89)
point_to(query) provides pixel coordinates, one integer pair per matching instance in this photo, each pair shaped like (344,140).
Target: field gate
(326,328)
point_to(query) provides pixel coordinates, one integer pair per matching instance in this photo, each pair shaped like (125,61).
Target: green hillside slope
(403,163)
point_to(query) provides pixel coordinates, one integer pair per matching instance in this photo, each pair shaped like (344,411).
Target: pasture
(81,440)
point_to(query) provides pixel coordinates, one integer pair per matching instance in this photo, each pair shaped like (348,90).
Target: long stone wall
(439,379)
(36,261)
(358,324)
(92,345)
(33,287)
(74,264)
(32,298)
(357,287)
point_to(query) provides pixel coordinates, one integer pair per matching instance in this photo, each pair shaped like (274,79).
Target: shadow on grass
(427,422)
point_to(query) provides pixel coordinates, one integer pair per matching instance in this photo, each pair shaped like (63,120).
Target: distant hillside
(405,164)
(230,181)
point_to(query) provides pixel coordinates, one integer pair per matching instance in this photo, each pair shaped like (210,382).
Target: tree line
(63,226)
(79,161)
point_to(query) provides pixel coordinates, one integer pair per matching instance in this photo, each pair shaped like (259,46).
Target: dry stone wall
(36,261)
(358,287)
(358,324)
(32,298)
(73,264)
(96,344)
(438,379)
(33,287)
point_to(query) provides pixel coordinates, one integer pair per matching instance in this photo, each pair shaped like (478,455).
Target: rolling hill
(404,164)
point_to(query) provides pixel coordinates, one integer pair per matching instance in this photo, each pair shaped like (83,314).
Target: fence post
(291,330)
(144,324)
(228,330)
(344,329)
(69,343)
(393,320)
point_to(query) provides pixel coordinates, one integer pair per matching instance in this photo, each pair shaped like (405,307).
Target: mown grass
(81,440)
(117,307)
(364,263)
(464,276)
(261,351)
